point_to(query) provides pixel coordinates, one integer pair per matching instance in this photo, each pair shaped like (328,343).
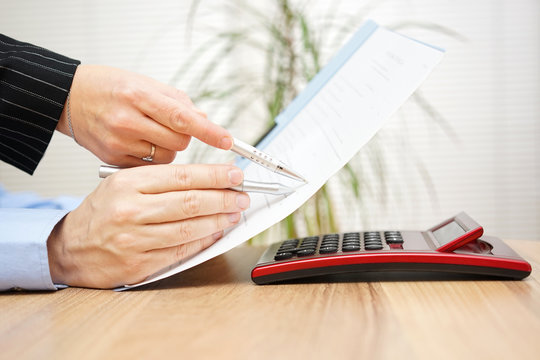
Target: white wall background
(487,88)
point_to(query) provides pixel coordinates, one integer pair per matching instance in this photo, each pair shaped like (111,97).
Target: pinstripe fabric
(34,83)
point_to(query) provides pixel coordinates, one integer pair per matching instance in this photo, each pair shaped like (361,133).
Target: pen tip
(301,178)
(292,174)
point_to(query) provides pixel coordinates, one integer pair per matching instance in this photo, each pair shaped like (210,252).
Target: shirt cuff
(24,261)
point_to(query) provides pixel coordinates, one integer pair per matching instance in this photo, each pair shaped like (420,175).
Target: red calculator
(456,245)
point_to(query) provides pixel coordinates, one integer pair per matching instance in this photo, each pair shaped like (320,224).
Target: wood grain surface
(214,311)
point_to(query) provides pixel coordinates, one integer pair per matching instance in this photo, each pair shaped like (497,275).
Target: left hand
(138,221)
(118,116)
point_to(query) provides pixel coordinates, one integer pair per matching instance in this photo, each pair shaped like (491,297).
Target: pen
(261,158)
(247,185)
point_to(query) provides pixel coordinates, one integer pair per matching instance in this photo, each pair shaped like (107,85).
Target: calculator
(456,245)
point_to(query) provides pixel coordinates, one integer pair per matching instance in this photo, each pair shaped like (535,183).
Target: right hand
(143,219)
(118,115)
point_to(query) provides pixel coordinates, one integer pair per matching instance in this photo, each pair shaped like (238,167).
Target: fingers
(143,149)
(157,134)
(134,132)
(184,118)
(172,255)
(165,178)
(159,236)
(180,205)
(161,156)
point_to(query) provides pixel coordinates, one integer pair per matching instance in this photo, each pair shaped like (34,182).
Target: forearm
(34,84)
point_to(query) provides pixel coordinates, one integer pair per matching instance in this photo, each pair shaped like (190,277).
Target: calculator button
(283,246)
(330,238)
(283,255)
(371,233)
(372,238)
(374,247)
(351,247)
(288,250)
(369,242)
(293,241)
(305,252)
(330,242)
(329,245)
(328,250)
(394,240)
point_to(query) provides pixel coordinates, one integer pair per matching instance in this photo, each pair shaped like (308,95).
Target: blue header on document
(319,81)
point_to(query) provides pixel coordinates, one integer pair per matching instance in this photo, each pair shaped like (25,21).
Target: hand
(118,115)
(141,220)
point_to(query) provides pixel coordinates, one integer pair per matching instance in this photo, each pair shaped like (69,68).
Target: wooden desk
(214,311)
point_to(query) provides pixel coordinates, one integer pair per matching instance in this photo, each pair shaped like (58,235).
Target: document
(340,110)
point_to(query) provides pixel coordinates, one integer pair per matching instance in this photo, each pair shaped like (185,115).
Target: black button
(373,247)
(291,250)
(293,241)
(330,241)
(305,252)
(373,242)
(283,255)
(372,233)
(372,239)
(351,247)
(394,240)
(328,250)
(287,246)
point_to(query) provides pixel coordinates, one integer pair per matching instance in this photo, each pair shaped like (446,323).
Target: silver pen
(253,154)
(247,185)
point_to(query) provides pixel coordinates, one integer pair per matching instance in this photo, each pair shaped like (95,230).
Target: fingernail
(226,143)
(234,218)
(242,201)
(236,176)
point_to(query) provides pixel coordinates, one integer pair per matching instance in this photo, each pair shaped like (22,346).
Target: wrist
(65,123)
(55,253)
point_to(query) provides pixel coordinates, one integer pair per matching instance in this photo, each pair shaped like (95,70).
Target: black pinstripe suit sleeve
(34,84)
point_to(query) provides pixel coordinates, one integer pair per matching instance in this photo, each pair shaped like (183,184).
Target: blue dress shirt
(26,220)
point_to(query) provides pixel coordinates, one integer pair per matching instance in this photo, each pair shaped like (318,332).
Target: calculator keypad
(329,244)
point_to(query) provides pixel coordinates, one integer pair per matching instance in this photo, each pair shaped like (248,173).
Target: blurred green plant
(294,47)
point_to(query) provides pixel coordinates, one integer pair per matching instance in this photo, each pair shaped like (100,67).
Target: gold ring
(150,157)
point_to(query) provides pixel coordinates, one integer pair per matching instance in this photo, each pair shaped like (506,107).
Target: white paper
(341,117)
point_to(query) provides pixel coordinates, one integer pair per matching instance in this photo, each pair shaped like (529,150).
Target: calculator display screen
(448,232)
